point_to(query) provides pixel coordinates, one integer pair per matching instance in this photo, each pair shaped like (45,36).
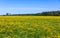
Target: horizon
(28,6)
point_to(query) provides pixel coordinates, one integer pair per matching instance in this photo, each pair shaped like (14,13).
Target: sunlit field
(29,26)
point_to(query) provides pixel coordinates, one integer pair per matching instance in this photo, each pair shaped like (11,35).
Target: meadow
(29,26)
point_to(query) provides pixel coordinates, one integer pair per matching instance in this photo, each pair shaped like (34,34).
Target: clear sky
(28,6)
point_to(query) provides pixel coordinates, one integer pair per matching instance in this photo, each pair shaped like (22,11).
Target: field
(29,26)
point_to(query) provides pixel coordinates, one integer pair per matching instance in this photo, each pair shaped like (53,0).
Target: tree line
(49,13)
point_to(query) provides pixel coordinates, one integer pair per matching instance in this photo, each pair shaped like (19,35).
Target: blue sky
(28,6)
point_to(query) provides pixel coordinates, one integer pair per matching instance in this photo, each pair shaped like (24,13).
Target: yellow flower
(10,30)
(8,37)
(1,30)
